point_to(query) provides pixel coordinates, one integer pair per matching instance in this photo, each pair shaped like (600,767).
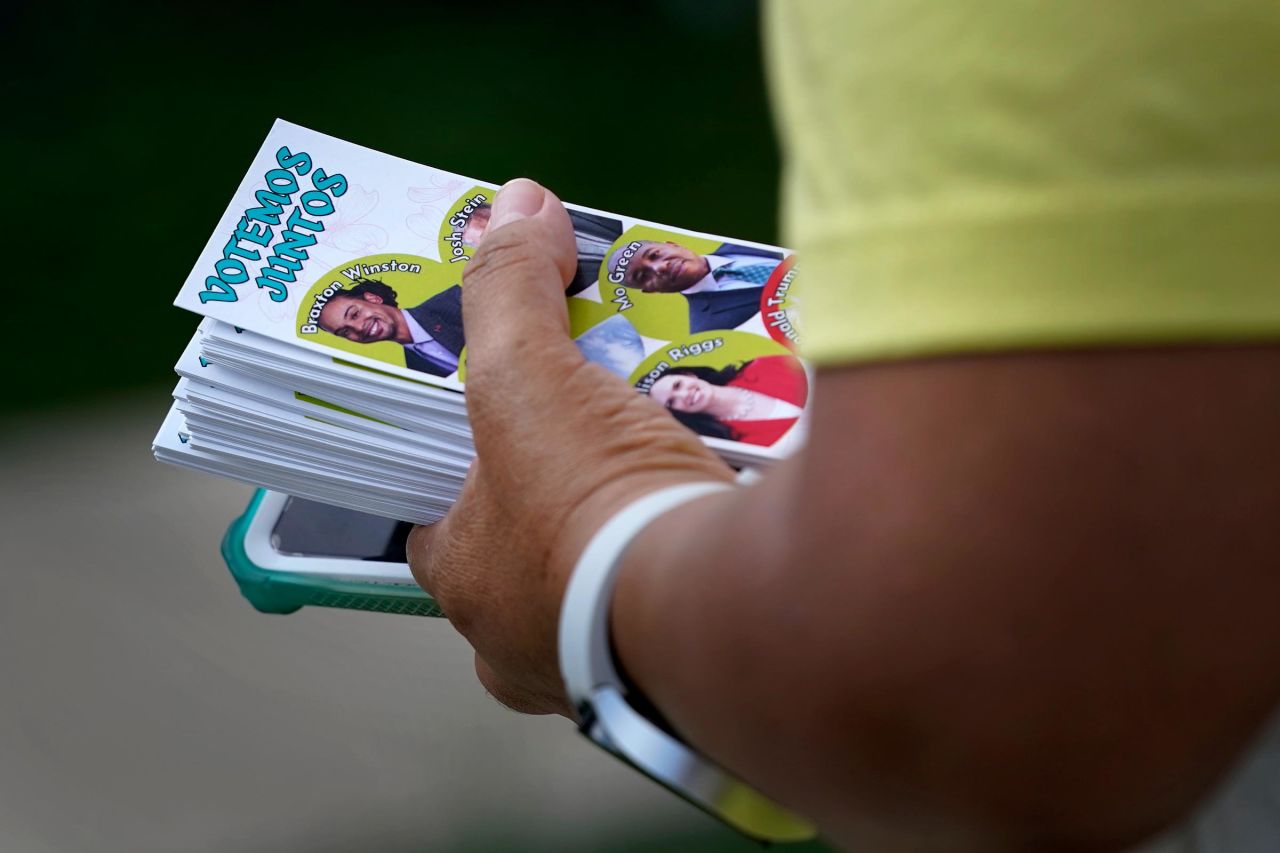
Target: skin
(685,393)
(1013,602)
(364,319)
(665,268)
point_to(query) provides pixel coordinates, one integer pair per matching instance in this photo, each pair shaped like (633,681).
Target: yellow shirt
(991,174)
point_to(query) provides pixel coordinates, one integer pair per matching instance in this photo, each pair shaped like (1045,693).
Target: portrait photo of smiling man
(431,332)
(723,287)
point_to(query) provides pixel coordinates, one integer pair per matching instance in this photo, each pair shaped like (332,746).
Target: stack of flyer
(331,361)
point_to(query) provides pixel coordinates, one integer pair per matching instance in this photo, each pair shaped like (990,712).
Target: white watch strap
(586,661)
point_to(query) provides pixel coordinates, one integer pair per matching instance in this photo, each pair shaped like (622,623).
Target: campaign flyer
(358,255)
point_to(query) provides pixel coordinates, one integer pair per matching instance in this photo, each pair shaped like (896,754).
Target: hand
(561,445)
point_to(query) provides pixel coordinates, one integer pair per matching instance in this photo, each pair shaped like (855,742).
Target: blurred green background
(129,126)
(145,706)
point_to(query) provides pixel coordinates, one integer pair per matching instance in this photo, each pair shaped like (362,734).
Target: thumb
(513,299)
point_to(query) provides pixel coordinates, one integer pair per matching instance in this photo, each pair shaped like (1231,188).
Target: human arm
(976,603)
(1025,598)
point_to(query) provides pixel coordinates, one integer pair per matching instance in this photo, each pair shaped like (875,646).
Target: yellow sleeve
(993,174)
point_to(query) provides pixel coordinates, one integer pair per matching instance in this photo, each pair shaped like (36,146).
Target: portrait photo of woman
(755,402)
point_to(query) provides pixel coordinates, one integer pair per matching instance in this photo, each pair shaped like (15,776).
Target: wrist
(584,643)
(611,712)
(652,626)
(584,521)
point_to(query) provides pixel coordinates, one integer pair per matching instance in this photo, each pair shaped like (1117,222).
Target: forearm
(980,596)
(759,645)
(1024,600)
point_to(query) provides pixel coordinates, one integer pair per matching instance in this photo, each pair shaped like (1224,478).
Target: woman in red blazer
(755,402)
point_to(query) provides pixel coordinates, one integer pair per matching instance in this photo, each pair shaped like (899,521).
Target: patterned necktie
(757,273)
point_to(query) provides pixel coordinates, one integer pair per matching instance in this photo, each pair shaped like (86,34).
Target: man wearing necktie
(723,288)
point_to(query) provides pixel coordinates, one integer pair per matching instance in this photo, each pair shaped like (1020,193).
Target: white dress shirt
(708,283)
(425,345)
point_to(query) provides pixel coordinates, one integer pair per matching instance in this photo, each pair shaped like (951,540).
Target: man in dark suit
(727,310)
(594,235)
(431,332)
(723,289)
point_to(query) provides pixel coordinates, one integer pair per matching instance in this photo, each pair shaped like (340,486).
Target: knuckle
(450,559)
(509,695)
(455,583)
(420,553)
(434,561)
(487,677)
(419,539)
(460,614)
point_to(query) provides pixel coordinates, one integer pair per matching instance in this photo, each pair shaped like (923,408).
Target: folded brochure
(352,260)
